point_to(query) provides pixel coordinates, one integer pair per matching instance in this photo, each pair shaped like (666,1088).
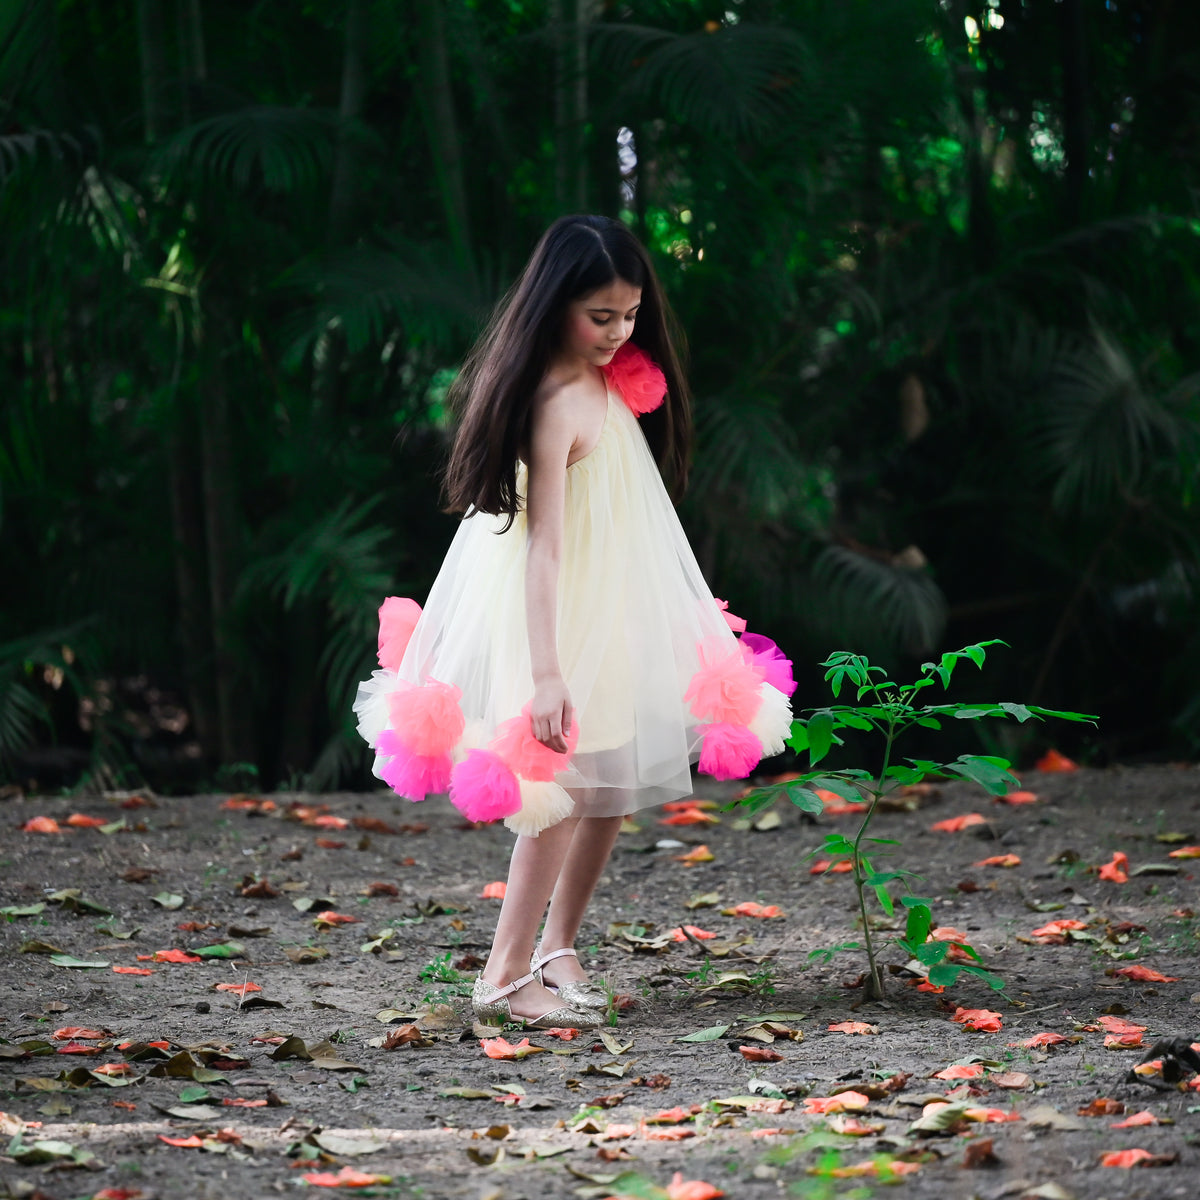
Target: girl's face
(599,323)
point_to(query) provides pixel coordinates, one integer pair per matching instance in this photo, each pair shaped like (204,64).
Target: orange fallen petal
(1124,1158)
(759,1054)
(329,917)
(852,1126)
(494,891)
(77,1048)
(1145,1117)
(843,1102)
(1145,975)
(958,824)
(1017,798)
(999,860)
(1057,928)
(1041,1039)
(671,1116)
(947,933)
(967,1071)
(690,816)
(239,988)
(1115,871)
(174,956)
(565,1035)
(1185,852)
(187,1143)
(1102,1106)
(825,866)
(836,806)
(83,821)
(41,825)
(991,1116)
(1114,1041)
(681,933)
(329,843)
(1119,1026)
(75,1033)
(701,854)
(1052,761)
(666,1135)
(872,1167)
(348,1177)
(114,1069)
(691,1189)
(853,1027)
(497,1047)
(133,971)
(749,908)
(981,1020)
(329,822)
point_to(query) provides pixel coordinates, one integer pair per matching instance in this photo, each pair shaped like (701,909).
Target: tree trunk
(192,57)
(570,103)
(354,90)
(437,105)
(1075,108)
(152,50)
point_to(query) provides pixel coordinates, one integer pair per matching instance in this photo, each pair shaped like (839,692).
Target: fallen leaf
(981,1020)
(69,960)
(999,860)
(174,956)
(701,854)
(346,1177)
(853,1027)
(958,824)
(1144,974)
(1102,1106)
(1041,1039)
(499,1048)
(759,1054)
(749,908)
(1013,1081)
(41,825)
(1052,761)
(960,1071)
(493,891)
(1116,870)
(169,900)
(1137,1158)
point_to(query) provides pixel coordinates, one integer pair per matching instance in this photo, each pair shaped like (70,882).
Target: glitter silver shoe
(579,994)
(491,1008)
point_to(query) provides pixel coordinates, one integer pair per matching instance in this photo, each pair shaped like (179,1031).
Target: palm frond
(279,148)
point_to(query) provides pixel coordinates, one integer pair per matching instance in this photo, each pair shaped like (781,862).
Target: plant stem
(875,979)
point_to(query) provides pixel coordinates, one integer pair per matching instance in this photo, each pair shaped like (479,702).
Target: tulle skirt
(649,658)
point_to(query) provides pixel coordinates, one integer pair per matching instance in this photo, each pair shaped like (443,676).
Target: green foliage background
(937,261)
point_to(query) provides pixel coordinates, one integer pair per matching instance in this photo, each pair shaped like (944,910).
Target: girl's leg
(582,867)
(535,868)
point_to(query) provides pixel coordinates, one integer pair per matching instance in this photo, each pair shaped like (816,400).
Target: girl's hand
(550,714)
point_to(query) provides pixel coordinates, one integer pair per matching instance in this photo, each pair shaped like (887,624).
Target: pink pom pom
(413,776)
(398,616)
(482,788)
(729,751)
(514,742)
(724,688)
(427,719)
(768,662)
(637,377)
(736,623)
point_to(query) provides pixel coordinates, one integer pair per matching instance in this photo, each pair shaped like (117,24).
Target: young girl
(570,663)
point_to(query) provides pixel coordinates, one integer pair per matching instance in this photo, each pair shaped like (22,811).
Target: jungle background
(937,261)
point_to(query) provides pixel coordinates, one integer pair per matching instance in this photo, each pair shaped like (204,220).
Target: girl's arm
(551,439)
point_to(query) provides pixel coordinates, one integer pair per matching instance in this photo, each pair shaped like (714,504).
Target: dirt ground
(441,1119)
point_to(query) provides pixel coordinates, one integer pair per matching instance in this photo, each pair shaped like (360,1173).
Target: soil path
(441,1119)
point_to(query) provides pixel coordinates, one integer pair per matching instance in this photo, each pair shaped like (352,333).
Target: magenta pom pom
(398,616)
(729,751)
(482,787)
(725,688)
(637,377)
(514,742)
(768,662)
(427,719)
(736,623)
(413,776)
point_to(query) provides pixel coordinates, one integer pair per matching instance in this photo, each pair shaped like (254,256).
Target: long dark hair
(494,391)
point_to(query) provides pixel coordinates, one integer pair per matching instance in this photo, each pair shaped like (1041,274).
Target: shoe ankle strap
(509,988)
(543,959)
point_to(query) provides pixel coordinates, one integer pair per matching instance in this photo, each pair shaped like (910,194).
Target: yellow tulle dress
(656,674)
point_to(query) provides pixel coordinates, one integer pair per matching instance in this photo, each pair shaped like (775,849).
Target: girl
(570,663)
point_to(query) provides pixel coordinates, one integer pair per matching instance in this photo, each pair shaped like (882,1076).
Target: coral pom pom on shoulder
(638,378)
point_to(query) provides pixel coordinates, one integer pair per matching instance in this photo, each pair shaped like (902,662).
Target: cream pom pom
(371,705)
(772,723)
(543,803)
